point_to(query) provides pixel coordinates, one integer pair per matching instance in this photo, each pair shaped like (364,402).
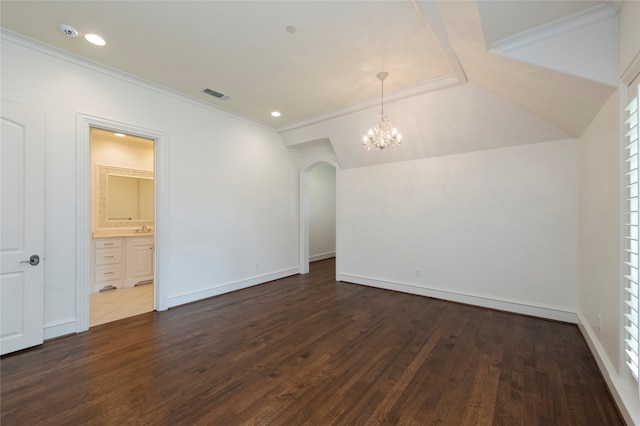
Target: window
(631,224)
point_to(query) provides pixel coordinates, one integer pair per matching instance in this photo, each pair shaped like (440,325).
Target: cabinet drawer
(107,243)
(108,273)
(140,241)
(108,255)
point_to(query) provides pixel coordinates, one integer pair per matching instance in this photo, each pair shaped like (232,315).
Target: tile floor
(113,305)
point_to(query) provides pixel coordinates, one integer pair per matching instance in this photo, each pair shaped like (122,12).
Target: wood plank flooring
(307,350)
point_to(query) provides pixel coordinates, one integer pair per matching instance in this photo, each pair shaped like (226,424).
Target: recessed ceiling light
(291,29)
(120,135)
(95,39)
(276,114)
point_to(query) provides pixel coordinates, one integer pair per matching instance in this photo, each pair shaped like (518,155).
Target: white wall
(232,203)
(459,119)
(600,228)
(119,153)
(322,211)
(495,228)
(600,280)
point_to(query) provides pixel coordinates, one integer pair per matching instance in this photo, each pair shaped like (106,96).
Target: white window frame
(631,230)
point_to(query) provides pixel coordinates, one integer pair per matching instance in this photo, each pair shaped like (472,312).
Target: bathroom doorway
(121,247)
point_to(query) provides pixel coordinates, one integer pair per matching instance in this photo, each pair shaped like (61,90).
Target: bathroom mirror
(129,198)
(125,197)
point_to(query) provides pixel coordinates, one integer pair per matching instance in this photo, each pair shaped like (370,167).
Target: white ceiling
(242,49)
(109,136)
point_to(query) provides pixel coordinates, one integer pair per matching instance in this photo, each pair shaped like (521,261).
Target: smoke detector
(68,30)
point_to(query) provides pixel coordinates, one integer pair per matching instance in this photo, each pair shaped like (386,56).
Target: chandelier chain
(382,96)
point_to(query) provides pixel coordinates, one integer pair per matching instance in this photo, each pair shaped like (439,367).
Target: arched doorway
(318,199)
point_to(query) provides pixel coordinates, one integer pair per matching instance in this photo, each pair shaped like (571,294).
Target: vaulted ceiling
(316,62)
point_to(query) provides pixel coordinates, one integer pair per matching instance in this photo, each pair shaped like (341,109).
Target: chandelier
(384,134)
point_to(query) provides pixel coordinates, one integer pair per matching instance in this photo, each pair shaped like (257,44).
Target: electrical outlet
(600,325)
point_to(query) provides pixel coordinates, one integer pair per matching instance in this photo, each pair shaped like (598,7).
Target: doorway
(322,212)
(122,225)
(83,234)
(318,213)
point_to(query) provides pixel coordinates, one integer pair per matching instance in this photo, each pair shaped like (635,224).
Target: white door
(22,227)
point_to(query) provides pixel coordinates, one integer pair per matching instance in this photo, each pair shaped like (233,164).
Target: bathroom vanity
(121,261)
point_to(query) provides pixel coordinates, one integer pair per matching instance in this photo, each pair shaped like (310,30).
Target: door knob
(33,260)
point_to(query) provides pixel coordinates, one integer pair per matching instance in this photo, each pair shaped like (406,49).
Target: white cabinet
(107,263)
(139,261)
(121,262)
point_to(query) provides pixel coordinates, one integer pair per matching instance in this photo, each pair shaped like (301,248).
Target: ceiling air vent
(218,95)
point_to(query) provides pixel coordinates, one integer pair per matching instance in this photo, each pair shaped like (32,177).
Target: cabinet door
(139,261)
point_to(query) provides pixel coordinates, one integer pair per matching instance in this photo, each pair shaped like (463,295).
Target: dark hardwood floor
(307,350)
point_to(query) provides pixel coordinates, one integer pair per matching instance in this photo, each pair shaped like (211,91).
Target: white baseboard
(181,299)
(624,397)
(61,328)
(517,306)
(322,256)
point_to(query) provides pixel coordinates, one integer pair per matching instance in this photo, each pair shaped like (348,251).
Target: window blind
(631,225)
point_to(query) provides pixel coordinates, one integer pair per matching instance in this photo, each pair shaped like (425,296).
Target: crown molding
(632,72)
(435,84)
(555,28)
(55,52)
